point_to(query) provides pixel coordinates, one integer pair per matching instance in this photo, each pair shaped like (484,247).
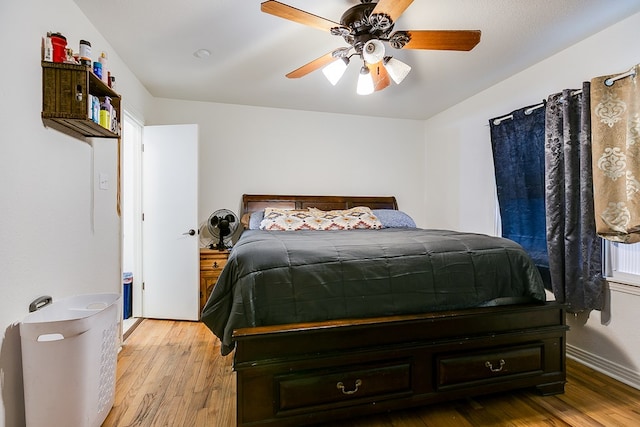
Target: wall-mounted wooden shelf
(65,99)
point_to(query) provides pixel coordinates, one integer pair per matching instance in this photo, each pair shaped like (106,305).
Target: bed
(308,354)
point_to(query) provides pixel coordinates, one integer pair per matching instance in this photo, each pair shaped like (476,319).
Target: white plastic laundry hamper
(69,354)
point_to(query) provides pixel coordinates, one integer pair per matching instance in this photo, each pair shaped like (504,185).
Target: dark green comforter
(278,277)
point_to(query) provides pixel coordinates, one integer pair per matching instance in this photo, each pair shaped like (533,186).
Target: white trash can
(69,355)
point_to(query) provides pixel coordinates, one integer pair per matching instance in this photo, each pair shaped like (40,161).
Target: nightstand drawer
(211,263)
(463,369)
(341,385)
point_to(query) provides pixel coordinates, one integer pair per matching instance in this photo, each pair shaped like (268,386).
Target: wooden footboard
(300,374)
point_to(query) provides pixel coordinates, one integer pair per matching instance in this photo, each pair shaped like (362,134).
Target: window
(622,262)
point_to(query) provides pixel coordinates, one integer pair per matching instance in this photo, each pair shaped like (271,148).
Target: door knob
(191,232)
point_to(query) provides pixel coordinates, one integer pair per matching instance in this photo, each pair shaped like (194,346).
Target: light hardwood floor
(171,373)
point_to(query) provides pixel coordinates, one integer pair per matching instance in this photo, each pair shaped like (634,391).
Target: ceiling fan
(365,27)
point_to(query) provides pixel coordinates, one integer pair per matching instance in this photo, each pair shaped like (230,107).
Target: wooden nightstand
(211,263)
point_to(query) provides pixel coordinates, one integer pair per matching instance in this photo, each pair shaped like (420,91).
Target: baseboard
(133,324)
(611,369)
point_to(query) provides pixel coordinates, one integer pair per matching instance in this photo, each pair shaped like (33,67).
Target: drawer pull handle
(492,369)
(215,264)
(340,387)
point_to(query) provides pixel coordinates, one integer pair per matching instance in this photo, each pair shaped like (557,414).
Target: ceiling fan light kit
(397,70)
(366,27)
(365,82)
(373,51)
(334,71)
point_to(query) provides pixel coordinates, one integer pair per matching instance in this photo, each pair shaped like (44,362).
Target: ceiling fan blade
(380,76)
(282,10)
(392,8)
(442,39)
(312,66)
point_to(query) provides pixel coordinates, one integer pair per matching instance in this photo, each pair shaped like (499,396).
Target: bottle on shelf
(96,110)
(85,52)
(48,48)
(105,70)
(93,111)
(70,59)
(114,121)
(97,69)
(89,106)
(105,113)
(59,43)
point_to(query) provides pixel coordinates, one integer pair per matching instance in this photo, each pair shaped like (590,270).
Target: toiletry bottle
(90,107)
(59,43)
(103,61)
(69,58)
(114,121)
(48,48)
(97,69)
(96,109)
(105,113)
(85,52)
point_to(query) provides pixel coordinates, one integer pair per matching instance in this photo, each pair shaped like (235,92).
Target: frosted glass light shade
(373,51)
(334,71)
(397,70)
(365,82)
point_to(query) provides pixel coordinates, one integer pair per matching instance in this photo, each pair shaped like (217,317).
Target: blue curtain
(517,141)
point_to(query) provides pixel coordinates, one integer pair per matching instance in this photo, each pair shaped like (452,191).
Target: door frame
(131,179)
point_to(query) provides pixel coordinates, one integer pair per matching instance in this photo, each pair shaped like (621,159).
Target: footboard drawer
(343,385)
(486,366)
(307,374)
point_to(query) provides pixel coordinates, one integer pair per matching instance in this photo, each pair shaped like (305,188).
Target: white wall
(274,151)
(460,172)
(59,234)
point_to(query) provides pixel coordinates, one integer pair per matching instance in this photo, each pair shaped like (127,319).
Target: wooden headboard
(255,202)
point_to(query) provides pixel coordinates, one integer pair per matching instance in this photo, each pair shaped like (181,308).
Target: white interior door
(170,259)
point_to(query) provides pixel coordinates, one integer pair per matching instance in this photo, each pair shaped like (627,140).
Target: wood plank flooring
(171,374)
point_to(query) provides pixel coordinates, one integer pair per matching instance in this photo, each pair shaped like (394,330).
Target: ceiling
(252,51)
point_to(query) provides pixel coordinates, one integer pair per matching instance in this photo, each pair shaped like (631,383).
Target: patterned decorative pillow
(389,218)
(288,220)
(349,219)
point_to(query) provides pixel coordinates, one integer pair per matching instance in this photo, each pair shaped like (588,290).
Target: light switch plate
(104,181)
